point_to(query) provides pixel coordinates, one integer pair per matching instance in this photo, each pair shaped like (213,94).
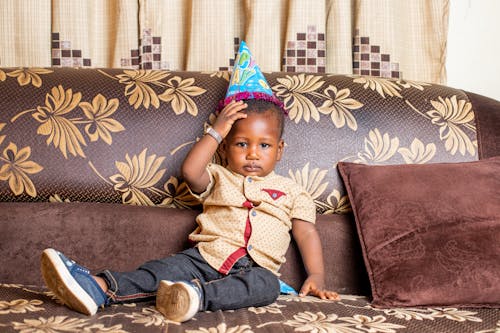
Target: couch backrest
(113,135)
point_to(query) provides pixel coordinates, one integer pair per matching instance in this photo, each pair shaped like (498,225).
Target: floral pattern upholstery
(124,133)
(31,309)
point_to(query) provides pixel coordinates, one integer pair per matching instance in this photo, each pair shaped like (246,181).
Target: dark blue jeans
(247,284)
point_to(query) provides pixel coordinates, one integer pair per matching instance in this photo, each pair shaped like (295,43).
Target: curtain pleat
(212,30)
(401,39)
(305,41)
(94,33)
(265,27)
(381,38)
(339,32)
(25,27)
(164,29)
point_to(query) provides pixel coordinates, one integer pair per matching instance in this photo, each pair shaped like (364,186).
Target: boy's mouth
(251,168)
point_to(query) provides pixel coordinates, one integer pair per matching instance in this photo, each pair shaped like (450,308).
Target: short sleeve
(304,208)
(203,195)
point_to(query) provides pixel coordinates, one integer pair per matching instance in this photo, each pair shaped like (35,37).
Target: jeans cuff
(112,285)
(197,284)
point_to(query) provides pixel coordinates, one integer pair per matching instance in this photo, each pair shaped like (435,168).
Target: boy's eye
(265,145)
(241,144)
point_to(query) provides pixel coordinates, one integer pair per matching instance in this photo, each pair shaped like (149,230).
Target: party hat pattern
(247,80)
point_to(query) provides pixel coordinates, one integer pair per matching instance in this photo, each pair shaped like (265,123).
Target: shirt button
(250,247)
(254,213)
(249,179)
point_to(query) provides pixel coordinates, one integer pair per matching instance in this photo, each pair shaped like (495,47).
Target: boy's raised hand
(228,115)
(194,166)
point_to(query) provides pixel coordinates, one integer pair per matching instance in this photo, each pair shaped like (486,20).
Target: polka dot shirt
(268,204)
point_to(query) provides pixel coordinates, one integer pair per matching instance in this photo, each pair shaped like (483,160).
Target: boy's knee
(272,285)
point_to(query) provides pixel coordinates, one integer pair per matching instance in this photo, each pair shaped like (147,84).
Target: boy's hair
(260,106)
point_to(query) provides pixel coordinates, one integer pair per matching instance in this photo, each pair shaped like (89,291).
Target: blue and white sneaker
(178,301)
(71,283)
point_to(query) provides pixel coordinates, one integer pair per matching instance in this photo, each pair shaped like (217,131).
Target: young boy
(242,234)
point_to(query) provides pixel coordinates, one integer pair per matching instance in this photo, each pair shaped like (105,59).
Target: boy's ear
(281,147)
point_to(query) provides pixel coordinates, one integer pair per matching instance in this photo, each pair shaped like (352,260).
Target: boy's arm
(194,166)
(307,238)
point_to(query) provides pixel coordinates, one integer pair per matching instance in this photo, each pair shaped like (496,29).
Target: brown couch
(89,165)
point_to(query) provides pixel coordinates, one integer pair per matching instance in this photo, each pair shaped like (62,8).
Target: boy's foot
(178,301)
(71,283)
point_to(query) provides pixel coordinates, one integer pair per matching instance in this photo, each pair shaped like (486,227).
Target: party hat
(247,81)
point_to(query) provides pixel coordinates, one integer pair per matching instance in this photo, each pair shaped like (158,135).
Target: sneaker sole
(173,301)
(63,285)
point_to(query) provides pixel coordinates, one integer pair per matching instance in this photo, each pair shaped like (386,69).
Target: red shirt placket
(242,251)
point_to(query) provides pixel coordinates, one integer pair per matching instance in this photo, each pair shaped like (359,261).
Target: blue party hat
(247,81)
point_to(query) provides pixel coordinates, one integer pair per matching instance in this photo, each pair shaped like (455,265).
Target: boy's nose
(252,154)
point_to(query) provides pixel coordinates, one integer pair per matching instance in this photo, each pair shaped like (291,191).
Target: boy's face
(253,146)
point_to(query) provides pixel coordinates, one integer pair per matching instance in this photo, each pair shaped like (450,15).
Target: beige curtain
(386,38)
(25,27)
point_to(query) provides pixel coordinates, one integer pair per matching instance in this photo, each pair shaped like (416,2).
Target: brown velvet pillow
(430,234)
